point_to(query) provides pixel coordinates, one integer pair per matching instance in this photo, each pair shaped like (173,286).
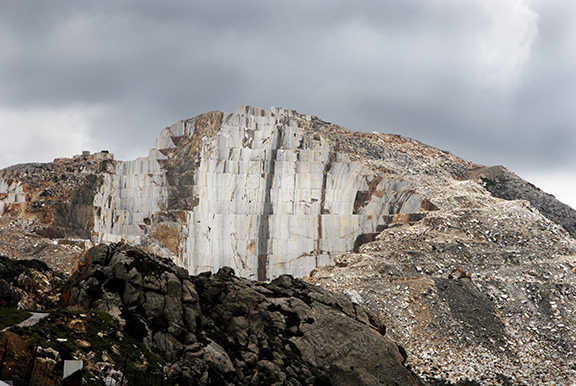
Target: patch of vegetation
(10,317)
(11,268)
(87,333)
(144,264)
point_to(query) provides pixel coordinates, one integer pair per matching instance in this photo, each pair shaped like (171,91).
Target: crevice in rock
(267,209)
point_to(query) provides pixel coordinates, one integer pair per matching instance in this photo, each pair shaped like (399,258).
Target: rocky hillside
(210,329)
(471,268)
(265,192)
(484,291)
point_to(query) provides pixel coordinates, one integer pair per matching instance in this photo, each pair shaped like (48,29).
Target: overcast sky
(492,81)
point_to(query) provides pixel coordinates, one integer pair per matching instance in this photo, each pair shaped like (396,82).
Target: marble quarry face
(265,192)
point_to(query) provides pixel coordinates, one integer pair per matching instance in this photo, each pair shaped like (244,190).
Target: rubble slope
(483,292)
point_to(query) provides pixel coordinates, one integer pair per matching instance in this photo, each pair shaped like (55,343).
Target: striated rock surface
(266,192)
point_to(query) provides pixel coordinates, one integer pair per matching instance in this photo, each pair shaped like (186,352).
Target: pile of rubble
(484,293)
(19,240)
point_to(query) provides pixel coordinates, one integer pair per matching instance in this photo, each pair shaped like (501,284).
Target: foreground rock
(221,329)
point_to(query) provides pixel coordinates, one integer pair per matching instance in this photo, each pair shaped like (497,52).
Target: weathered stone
(225,273)
(96,255)
(238,328)
(190,317)
(132,295)
(78,297)
(110,303)
(215,356)
(268,368)
(250,358)
(135,277)
(171,285)
(189,294)
(167,344)
(320,334)
(241,300)
(154,304)
(173,309)
(121,259)
(329,341)
(151,282)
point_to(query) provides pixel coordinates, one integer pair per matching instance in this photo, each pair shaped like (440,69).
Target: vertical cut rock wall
(265,192)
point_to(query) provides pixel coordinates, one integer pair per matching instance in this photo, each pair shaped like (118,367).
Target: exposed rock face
(26,285)
(220,329)
(266,192)
(58,196)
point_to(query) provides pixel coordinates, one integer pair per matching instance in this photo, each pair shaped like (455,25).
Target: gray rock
(79,297)
(215,356)
(189,294)
(132,295)
(109,302)
(190,317)
(173,309)
(154,304)
(359,352)
(135,277)
(151,282)
(238,328)
(250,358)
(96,255)
(276,333)
(172,287)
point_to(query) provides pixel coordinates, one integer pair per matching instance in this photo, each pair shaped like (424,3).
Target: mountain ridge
(298,169)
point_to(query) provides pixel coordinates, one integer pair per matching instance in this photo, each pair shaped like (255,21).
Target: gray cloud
(489,80)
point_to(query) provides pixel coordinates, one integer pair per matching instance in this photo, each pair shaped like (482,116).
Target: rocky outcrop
(27,285)
(506,185)
(58,196)
(266,192)
(221,329)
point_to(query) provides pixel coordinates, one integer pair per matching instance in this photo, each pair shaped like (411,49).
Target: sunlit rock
(265,192)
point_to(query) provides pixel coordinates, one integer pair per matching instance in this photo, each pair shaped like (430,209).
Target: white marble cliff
(265,192)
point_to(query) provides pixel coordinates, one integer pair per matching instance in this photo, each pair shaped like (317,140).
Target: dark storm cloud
(489,80)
